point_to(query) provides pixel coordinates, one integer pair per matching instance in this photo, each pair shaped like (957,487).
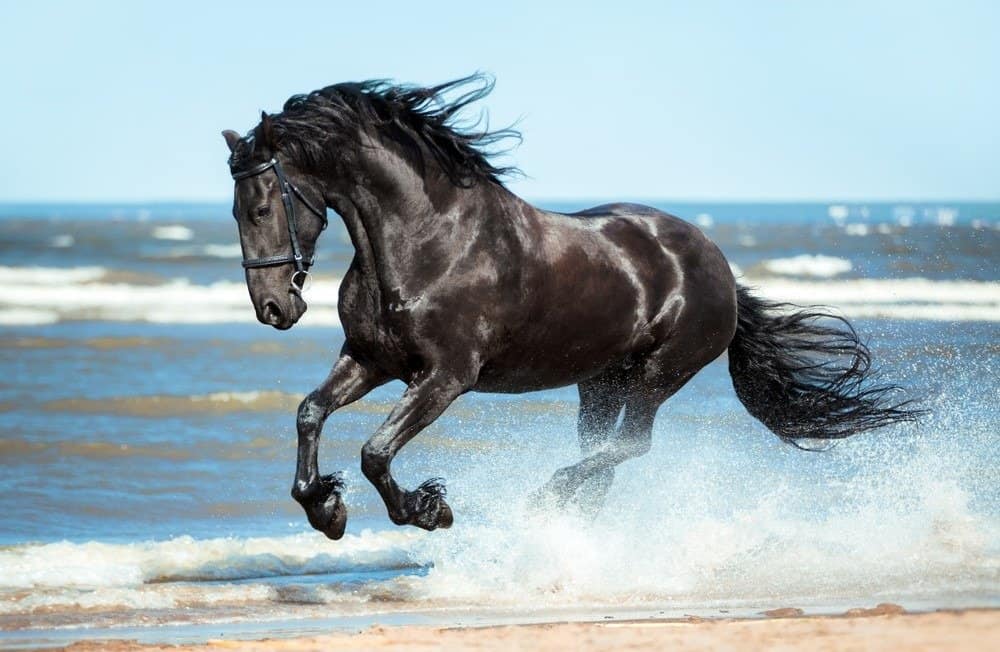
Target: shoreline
(884,627)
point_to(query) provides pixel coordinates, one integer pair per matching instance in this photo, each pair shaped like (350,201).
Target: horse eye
(263,211)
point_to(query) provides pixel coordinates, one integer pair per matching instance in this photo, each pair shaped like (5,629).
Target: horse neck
(391,209)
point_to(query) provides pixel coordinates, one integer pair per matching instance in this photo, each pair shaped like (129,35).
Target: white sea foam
(808,265)
(897,520)
(183,572)
(34,295)
(62,241)
(912,298)
(93,564)
(49,275)
(946,216)
(193,251)
(27,317)
(148,597)
(838,212)
(223,251)
(704,220)
(172,232)
(901,517)
(882,291)
(30,295)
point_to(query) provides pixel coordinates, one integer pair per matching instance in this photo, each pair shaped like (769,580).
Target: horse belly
(522,371)
(573,331)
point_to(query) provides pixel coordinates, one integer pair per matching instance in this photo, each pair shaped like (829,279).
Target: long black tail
(804,379)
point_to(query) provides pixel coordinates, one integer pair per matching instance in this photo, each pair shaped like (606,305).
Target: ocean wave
(931,546)
(223,251)
(66,584)
(900,518)
(912,298)
(189,253)
(808,265)
(94,564)
(45,295)
(27,317)
(166,405)
(62,241)
(160,405)
(102,343)
(54,276)
(172,232)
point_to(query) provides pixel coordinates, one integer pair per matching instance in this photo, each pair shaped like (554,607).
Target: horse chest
(369,323)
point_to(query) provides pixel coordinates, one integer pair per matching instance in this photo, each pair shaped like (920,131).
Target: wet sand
(882,628)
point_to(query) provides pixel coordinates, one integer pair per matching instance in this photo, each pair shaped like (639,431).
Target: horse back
(603,286)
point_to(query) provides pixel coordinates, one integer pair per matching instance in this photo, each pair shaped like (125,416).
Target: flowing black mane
(423,120)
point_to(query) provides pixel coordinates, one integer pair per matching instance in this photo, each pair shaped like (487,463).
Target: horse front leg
(422,403)
(319,496)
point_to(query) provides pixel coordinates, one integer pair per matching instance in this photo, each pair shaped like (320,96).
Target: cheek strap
(302,265)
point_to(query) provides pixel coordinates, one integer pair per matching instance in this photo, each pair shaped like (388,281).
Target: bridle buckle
(300,282)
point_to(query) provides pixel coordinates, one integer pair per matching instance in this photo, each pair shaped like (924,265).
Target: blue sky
(710,100)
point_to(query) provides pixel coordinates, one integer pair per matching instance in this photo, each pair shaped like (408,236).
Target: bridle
(302,265)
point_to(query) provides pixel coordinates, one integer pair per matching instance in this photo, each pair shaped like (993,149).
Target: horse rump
(805,374)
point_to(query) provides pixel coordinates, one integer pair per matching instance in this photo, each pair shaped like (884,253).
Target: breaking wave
(808,265)
(30,295)
(172,232)
(162,405)
(42,295)
(94,565)
(908,524)
(167,405)
(910,298)
(188,253)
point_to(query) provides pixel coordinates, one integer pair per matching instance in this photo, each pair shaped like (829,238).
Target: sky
(718,101)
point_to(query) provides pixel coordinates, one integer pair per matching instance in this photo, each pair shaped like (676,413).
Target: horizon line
(533,200)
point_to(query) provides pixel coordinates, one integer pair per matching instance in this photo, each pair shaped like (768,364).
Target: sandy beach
(884,627)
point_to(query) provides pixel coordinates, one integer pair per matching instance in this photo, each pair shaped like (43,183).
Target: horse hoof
(335,529)
(544,501)
(330,518)
(428,507)
(327,512)
(445,517)
(437,516)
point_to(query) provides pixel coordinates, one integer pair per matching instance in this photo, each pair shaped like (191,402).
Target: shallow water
(147,448)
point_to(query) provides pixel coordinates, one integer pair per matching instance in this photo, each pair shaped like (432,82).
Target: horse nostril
(271,313)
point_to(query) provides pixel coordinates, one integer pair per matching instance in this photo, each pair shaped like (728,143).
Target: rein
(302,265)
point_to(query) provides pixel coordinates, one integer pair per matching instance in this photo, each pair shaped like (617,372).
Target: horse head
(280,212)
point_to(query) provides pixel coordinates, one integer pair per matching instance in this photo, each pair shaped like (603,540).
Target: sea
(147,445)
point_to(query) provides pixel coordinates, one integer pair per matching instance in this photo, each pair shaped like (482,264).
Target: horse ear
(231,139)
(266,129)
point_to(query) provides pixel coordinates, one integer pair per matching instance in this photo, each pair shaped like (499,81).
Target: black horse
(458,285)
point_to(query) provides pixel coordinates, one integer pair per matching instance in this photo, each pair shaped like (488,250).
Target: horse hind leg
(601,403)
(571,485)
(587,482)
